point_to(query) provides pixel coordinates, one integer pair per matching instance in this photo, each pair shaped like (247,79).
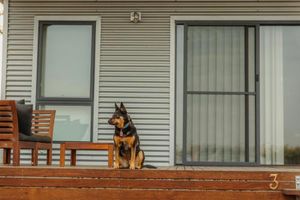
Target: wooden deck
(212,183)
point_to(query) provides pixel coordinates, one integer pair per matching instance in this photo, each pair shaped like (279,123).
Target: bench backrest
(8,120)
(43,122)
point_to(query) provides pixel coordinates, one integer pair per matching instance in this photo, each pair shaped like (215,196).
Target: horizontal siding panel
(134,100)
(18,92)
(19,52)
(139,110)
(18,73)
(130,106)
(19,68)
(108,130)
(104,118)
(18,83)
(19,62)
(161,26)
(146,5)
(21,88)
(19,78)
(136,79)
(139,64)
(132,84)
(20,47)
(109,49)
(136,116)
(142,137)
(20,43)
(145,44)
(128,75)
(134,52)
(23,32)
(132,95)
(138,35)
(140,126)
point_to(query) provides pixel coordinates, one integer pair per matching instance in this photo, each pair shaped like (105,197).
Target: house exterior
(205,82)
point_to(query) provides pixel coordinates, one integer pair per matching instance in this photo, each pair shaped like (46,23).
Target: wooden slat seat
(11,139)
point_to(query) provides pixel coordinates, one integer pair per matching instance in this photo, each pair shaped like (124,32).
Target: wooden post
(73,157)
(34,157)
(16,154)
(49,156)
(6,156)
(62,154)
(110,155)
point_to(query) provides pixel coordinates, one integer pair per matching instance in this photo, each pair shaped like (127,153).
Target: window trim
(220,20)
(95,59)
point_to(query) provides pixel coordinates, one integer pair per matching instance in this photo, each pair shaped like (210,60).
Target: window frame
(226,22)
(67,101)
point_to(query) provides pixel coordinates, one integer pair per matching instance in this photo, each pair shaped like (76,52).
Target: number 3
(274,185)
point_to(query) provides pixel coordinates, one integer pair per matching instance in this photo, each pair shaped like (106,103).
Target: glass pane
(271,97)
(251,59)
(66,61)
(216,128)
(179,92)
(252,129)
(291,82)
(280,127)
(72,123)
(216,58)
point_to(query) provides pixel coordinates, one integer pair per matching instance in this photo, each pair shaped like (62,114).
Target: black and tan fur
(126,140)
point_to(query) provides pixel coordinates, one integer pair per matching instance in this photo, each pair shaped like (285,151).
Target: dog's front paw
(116,165)
(132,166)
(139,167)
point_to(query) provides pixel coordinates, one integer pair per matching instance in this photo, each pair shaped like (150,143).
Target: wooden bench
(42,124)
(74,146)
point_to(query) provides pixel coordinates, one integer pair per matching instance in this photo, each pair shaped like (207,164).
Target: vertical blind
(271,98)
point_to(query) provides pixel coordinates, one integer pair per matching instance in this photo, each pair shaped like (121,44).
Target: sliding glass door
(237,96)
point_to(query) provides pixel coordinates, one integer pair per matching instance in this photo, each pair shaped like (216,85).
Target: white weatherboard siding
(134,61)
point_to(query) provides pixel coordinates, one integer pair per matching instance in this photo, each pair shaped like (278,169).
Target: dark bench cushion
(22,101)
(35,138)
(24,113)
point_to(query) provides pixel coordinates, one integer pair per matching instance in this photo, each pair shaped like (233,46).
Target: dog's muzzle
(111,121)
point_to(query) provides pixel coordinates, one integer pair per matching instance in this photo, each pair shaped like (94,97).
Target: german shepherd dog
(126,140)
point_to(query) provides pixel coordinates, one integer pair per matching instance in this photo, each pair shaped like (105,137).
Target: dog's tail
(149,166)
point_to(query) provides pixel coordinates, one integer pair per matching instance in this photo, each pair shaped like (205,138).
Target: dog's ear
(122,108)
(116,106)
